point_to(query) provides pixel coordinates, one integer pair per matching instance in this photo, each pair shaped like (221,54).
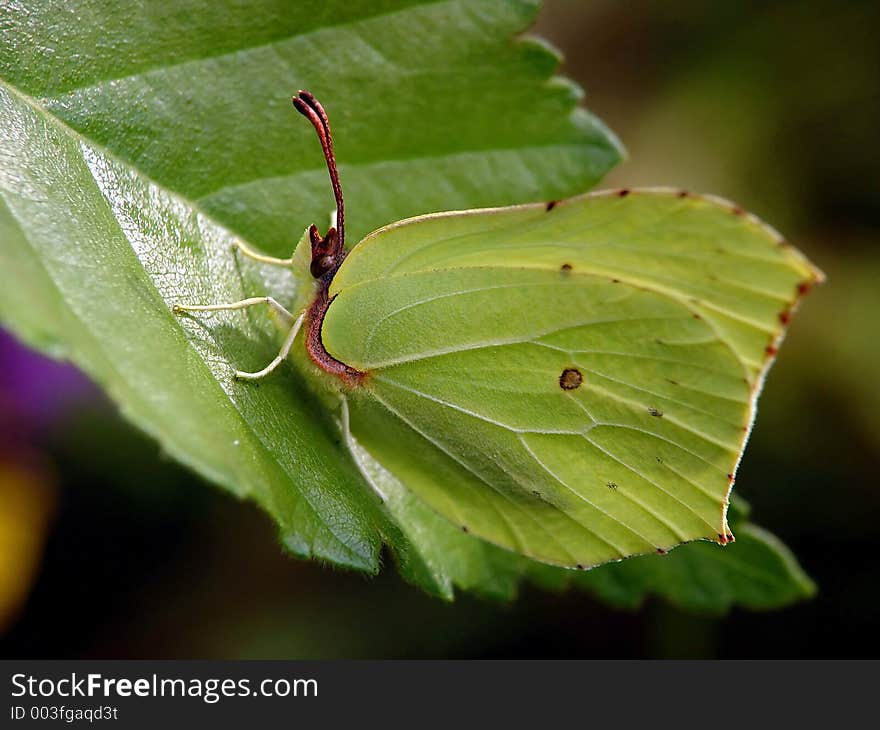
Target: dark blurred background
(110,550)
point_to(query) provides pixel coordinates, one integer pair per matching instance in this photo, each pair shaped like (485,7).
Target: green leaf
(93,257)
(136,145)
(434,105)
(756,572)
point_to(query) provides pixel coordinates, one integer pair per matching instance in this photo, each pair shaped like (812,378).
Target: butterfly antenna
(311,109)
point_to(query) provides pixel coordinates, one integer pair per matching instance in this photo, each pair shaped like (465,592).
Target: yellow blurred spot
(27,499)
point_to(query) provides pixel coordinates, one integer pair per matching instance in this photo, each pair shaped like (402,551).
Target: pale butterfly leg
(345,425)
(243,304)
(279,358)
(250,253)
(288,318)
(345,420)
(294,322)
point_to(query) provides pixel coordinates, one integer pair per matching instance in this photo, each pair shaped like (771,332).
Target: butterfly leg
(345,425)
(279,358)
(293,321)
(243,304)
(248,252)
(345,421)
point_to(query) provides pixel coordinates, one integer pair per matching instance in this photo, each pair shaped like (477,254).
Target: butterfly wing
(574,382)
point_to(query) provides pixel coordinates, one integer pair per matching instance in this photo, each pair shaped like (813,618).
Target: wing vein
(517,538)
(689,406)
(675,529)
(580,496)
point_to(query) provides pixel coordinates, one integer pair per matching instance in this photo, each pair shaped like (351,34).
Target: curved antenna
(311,109)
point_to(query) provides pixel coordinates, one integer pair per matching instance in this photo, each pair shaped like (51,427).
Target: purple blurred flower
(35,391)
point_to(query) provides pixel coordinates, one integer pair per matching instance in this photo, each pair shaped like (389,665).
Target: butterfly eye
(322,265)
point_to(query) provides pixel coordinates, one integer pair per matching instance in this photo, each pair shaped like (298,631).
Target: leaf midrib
(96,344)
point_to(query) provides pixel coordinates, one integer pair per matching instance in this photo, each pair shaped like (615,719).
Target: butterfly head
(327,252)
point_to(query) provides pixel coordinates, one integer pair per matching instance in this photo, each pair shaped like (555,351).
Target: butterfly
(574,381)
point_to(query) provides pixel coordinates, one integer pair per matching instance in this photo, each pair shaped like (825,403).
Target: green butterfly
(574,381)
